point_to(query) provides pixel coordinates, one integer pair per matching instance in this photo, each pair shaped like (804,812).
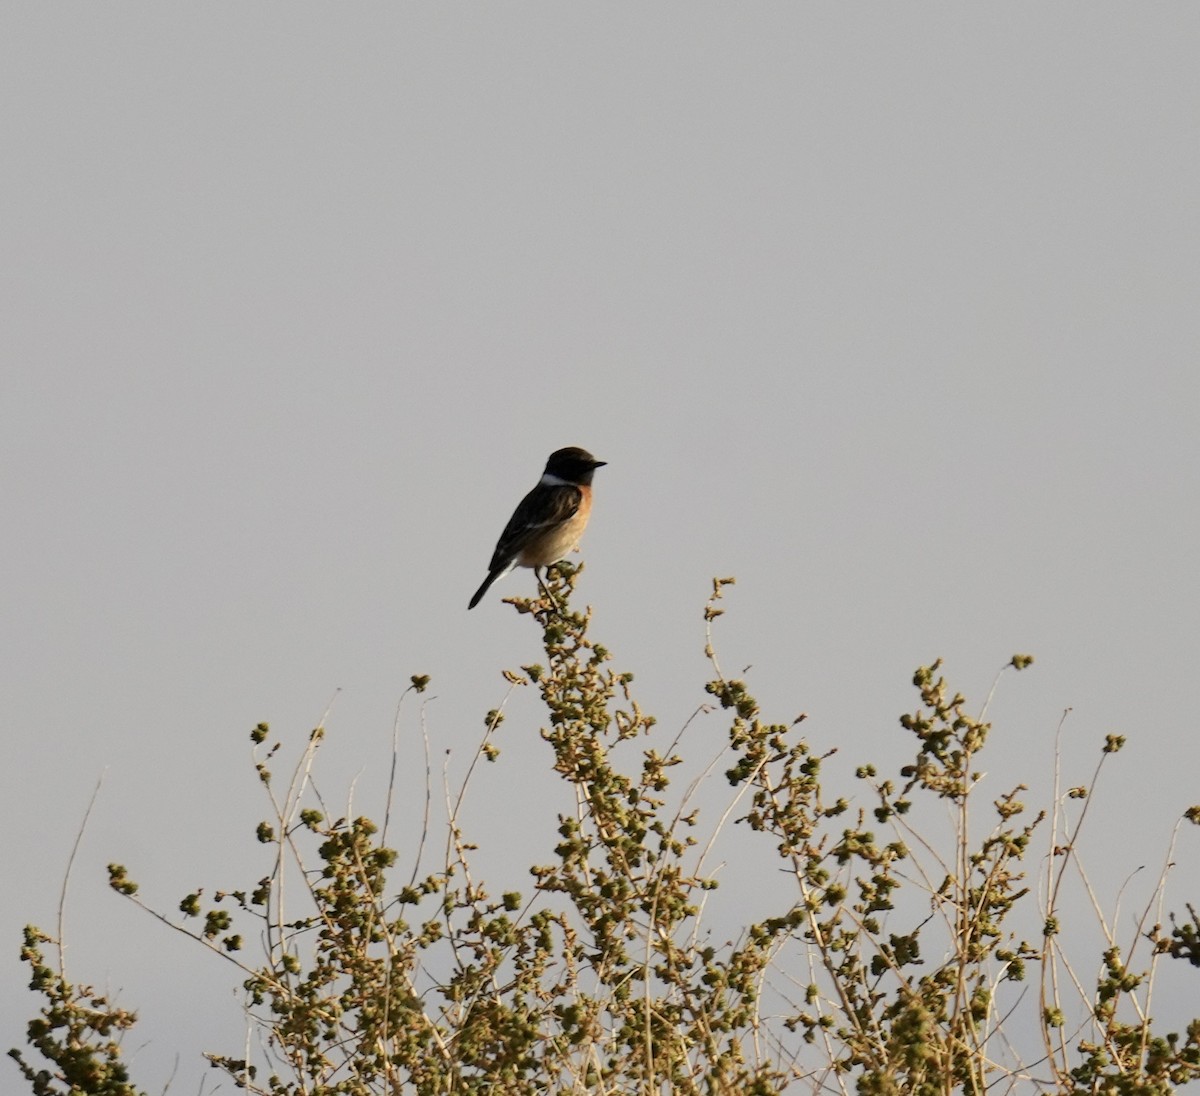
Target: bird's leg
(537,573)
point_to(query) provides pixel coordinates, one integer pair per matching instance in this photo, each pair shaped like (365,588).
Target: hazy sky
(890,311)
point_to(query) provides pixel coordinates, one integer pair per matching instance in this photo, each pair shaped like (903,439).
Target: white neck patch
(548,480)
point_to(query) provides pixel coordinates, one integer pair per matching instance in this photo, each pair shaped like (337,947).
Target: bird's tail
(487,583)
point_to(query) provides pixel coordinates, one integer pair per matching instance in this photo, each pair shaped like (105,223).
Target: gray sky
(889,311)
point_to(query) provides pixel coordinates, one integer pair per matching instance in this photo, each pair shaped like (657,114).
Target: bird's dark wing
(543,506)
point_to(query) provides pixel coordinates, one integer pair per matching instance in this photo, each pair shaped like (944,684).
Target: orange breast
(557,541)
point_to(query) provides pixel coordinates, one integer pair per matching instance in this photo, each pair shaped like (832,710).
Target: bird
(547,524)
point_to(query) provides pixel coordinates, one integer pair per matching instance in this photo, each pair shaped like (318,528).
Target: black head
(573,464)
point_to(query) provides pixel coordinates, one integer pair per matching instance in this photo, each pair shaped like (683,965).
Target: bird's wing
(542,507)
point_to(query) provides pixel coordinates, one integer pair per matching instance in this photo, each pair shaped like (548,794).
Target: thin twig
(62,895)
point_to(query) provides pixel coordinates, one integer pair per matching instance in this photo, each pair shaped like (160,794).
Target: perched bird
(548,523)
